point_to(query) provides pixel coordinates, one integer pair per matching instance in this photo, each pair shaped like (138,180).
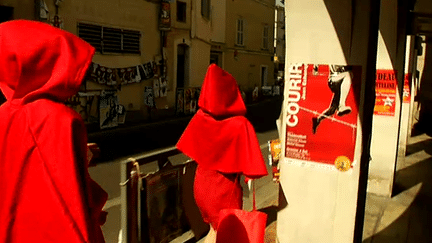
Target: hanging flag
(128,75)
(94,68)
(110,77)
(146,71)
(101,75)
(121,73)
(137,77)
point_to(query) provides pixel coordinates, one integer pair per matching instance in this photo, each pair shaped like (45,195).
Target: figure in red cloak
(224,145)
(46,193)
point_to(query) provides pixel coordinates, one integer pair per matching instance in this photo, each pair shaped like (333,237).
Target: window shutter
(92,34)
(110,40)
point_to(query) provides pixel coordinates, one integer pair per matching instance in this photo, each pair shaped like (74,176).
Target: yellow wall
(198,33)
(218,16)
(181,25)
(246,68)
(256,15)
(201,27)
(200,60)
(131,14)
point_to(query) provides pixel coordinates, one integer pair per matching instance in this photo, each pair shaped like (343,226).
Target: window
(181,11)
(6,13)
(240,32)
(265,39)
(110,40)
(205,8)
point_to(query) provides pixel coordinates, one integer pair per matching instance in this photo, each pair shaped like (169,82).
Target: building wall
(201,26)
(175,37)
(201,33)
(198,33)
(280,34)
(218,24)
(200,60)
(132,14)
(246,66)
(179,34)
(181,25)
(246,69)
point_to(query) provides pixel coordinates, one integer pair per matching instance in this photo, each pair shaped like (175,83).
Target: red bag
(240,226)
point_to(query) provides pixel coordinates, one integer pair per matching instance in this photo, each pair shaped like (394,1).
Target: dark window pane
(181,11)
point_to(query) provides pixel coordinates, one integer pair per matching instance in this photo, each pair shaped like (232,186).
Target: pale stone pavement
(405,217)
(402,218)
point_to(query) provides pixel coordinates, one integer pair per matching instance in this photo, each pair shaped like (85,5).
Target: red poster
(321,113)
(385,90)
(407,88)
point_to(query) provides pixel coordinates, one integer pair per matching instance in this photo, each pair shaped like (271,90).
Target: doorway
(264,75)
(216,58)
(182,65)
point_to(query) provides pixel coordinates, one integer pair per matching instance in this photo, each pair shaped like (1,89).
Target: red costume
(46,194)
(223,143)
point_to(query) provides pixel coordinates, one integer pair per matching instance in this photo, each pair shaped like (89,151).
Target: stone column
(320,205)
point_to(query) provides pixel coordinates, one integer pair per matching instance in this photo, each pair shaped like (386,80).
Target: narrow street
(108,176)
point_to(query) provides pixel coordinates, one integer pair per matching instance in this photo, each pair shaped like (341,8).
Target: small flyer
(108,113)
(385,91)
(321,114)
(275,148)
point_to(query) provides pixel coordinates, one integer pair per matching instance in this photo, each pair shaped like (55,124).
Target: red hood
(40,61)
(219,137)
(220,95)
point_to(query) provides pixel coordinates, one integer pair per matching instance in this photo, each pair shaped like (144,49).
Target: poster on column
(321,114)
(385,91)
(407,88)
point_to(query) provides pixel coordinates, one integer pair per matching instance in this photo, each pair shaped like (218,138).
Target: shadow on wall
(2,98)
(412,222)
(425,93)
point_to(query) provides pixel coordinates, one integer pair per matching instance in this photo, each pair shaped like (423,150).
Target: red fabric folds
(214,191)
(46,192)
(219,137)
(241,226)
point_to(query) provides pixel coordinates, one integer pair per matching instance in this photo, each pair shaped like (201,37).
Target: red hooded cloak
(223,142)
(46,194)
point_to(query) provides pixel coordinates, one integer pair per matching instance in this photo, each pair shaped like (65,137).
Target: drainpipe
(162,36)
(193,20)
